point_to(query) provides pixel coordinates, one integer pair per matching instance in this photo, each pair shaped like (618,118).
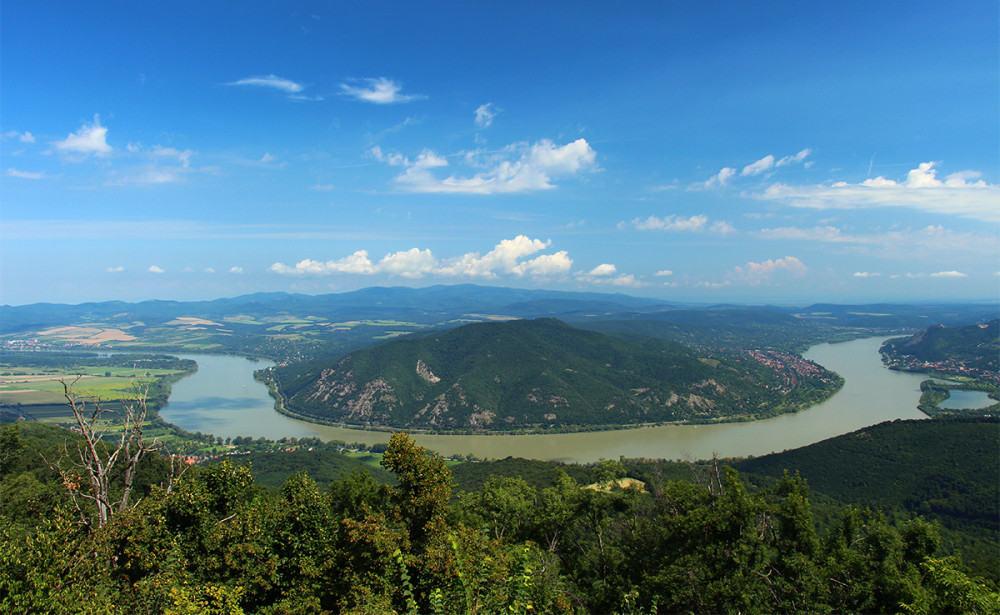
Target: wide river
(224,399)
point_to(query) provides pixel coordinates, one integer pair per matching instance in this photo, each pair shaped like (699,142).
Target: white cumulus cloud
(155,269)
(546,265)
(357,263)
(506,258)
(755,274)
(412,263)
(503,258)
(89,139)
(603,269)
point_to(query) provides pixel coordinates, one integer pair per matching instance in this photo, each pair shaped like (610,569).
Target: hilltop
(973,346)
(542,373)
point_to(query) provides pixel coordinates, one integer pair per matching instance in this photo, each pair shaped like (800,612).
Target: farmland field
(33,383)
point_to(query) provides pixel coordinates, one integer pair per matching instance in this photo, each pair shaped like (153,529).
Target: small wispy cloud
(756,168)
(146,175)
(718,180)
(961,194)
(270,81)
(764,165)
(679,224)
(155,269)
(12,172)
(23,137)
(182,156)
(380,91)
(485,114)
(949,274)
(934,241)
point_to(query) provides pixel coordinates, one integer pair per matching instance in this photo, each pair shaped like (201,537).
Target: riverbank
(224,399)
(800,401)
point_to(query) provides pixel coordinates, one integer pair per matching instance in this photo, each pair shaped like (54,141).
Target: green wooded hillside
(213,541)
(541,373)
(945,470)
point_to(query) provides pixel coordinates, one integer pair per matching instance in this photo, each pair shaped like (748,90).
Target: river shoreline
(871,394)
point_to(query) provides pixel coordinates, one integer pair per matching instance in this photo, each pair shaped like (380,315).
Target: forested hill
(539,373)
(945,470)
(213,541)
(977,346)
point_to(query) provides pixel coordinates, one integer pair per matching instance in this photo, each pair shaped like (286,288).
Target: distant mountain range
(296,328)
(529,374)
(465,299)
(428,304)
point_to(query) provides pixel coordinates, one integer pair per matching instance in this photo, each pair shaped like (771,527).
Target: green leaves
(216,543)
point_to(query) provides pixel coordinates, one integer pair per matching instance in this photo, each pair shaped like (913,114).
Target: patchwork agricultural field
(280,337)
(33,384)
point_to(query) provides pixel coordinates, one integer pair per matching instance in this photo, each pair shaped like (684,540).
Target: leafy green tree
(357,495)
(555,512)
(52,570)
(505,507)
(422,496)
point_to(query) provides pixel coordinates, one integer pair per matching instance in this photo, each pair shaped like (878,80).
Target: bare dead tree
(708,475)
(102,457)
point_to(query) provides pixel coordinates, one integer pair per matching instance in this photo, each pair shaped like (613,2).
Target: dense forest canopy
(630,540)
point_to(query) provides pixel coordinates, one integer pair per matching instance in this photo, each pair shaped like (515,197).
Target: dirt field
(88,335)
(188,320)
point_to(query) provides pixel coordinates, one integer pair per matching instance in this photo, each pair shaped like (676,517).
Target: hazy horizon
(783,153)
(804,302)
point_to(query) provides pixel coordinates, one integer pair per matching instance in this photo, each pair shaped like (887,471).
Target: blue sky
(780,152)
